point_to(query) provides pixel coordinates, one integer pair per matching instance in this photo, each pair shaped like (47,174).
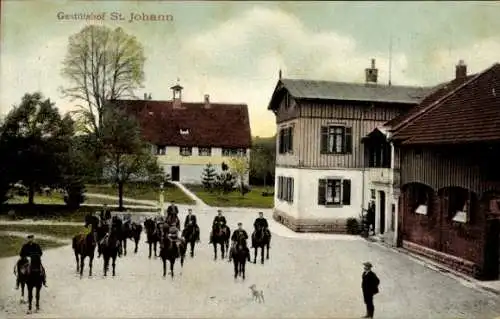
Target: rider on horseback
(190,221)
(259,224)
(172,209)
(219,220)
(30,249)
(239,236)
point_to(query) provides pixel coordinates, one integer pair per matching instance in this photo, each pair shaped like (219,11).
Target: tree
(239,167)
(126,155)
(7,164)
(41,139)
(101,64)
(225,182)
(208,177)
(262,159)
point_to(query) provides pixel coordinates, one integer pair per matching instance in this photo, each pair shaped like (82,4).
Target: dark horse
(84,246)
(34,279)
(220,235)
(261,239)
(171,250)
(131,230)
(21,272)
(153,234)
(110,250)
(191,234)
(240,254)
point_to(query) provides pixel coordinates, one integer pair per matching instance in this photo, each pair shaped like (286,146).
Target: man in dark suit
(369,286)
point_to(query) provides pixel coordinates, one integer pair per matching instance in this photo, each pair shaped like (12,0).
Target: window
(229,152)
(186,151)
(204,151)
(160,150)
(285,189)
(379,155)
(286,140)
(373,195)
(420,199)
(334,191)
(459,204)
(336,140)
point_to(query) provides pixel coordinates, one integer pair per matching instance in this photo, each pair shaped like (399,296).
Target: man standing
(371,216)
(369,285)
(30,249)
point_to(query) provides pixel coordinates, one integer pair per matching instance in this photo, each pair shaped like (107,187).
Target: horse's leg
(154,246)
(164,266)
(30,297)
(91,261)
(150,244)
(192,247)
(235,262)
(222,250)
(215,250)
(113,264)
(124,246)
(82,264)
(136,240)
(172,262)
(267,250)
(22,291)
(243,269)
(255,251)
(105,264)
(37,296)
(262,254)
(77,261)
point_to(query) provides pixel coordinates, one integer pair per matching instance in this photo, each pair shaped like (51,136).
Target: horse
(131,230)
(261,238)
(171,250)
(220,235)
(240,254)
(21,273)
(173,220)
(191,234)
(152,233)
(102,230)
(34,279)
(84,246)
(110,250)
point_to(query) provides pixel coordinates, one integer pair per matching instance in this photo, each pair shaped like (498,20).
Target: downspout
(363,170)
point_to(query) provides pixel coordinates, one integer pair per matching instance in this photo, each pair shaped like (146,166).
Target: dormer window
(160,150)
(184,131)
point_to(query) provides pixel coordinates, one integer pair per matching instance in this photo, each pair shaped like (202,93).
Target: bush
(74,194)
(245,189)
(353,226)
(267,194)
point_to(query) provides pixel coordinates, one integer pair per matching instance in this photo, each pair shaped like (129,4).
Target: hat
(30,236)
(368,264)
(239,224)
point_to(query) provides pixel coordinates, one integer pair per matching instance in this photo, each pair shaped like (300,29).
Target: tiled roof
(328,90)
(436,93)
(220,125)
(471,113)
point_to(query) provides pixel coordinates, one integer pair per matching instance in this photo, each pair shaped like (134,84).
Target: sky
(233,51)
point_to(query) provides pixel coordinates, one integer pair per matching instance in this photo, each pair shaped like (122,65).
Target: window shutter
(282,186)
(324,140)
(321,192)
(348,140)
(281,142)
(279,187)
(292,190)
(290,137)
(285,180)
(346,192)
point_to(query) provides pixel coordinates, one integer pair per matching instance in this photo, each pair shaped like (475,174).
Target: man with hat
(30,249)
(369,285)
(239,236)
(220,221)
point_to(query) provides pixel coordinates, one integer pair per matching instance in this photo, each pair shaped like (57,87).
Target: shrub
(352,226)
(74,194)
(267,194)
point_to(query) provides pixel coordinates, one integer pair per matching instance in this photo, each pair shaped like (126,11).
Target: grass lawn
(60,231)
(143,191)
(10,245)
(57,198)
(111,202)
(234,199)
(56,212)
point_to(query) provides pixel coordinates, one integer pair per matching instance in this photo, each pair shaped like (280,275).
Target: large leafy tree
(126,155)
(263,159)
(40,138)
(239,168)
(7,163)
(101,64)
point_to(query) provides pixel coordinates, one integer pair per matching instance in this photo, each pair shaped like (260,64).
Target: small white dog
(257,295)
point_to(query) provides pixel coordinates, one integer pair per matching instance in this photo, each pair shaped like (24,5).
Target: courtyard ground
(308,276)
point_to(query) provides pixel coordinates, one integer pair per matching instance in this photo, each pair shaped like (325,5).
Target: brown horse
(131,230)
(171,250)
(84,246)
(261,238)
(34,279)
(220,235)
(191,235)
(110,251)
(153,235)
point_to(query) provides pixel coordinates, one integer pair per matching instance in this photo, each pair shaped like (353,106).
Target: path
(199,203)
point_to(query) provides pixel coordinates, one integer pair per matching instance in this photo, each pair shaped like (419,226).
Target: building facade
(321,176)
(449,152)
(186,136)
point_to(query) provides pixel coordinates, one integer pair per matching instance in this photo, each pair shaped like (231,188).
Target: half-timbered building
(448,150)
(320,162)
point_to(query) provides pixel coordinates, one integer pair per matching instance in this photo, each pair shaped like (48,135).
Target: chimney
(177,95)
(207,101)
(145,96)
(460,70)
(149,97)
(371,74)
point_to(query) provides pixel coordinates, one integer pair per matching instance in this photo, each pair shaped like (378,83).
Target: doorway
(381,205)
(492,250)
(175,173)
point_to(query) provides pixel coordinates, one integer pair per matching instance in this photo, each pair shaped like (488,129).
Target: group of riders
(171,227)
